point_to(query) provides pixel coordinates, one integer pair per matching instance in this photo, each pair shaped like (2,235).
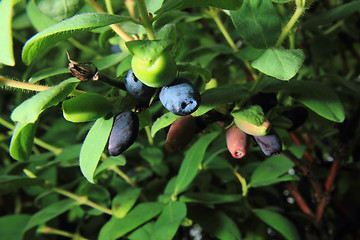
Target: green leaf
(12,226)
(47,72)
(66,29)
(163,121)
(282,64)
(190,165)
(86,107)
(124,201)
(320,98)
(110,60)
(6,43)
(38,19)
(22,141)
(29,110)
(153,5)
(93,147)
(154,156)
(186,67)
(118,227)
(169,221)
(177,5)
(50,212)
(328,17)
(9,183)
(147,49)
(257,22)
(281,1)
(272,170)
(253,114)
(215,222)
(142,233)
(214,97)
(110,162)
(279,223)
(210,198)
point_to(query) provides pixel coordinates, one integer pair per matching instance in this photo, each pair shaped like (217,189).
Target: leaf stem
(242,181)
(130,4)
(123,175)
(148,134)
(114,27)
(145,19)
(213,12)
(297,14)
(82,200)
(37,141)
(49,230)
(29,86)
(109,8)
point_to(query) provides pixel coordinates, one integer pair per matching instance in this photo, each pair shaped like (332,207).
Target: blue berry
(136,88)
(123,133)
(270,144)
(180,97)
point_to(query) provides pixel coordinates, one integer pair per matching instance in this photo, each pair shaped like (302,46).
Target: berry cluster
(179,95)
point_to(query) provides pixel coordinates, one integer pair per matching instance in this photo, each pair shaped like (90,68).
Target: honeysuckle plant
(270,150)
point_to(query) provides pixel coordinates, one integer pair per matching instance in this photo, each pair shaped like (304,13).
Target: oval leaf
(190,165)
(124,201)
(282,64)
(271,171)
(222,4)
(12,226)
(163,121)
(86,107)
(215,222)
(22,141)
(66,29)
(93,147)
(257,22)
(278,222)
(320,98)
(210,198)
(12,183)
(50,212)
(6,43)
(169,221)
(116,227)
(29,110)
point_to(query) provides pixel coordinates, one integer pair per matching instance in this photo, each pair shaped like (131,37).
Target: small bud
(180,133)
(150,15)
(236,142)
(83,71)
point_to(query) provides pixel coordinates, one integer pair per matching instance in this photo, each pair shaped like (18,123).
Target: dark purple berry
(270,144)
(265,100)
(297,115)
(123,133)
(136,88)
(180,97)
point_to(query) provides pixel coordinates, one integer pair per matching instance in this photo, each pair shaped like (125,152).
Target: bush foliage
(285,68)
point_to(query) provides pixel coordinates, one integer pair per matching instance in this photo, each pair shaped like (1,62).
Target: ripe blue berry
(270,143)
(180,97)
(136,88)
(123,133)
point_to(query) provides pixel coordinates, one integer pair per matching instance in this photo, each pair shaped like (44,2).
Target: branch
(300,200)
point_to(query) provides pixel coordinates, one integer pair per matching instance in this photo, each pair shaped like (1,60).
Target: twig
(300,201)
